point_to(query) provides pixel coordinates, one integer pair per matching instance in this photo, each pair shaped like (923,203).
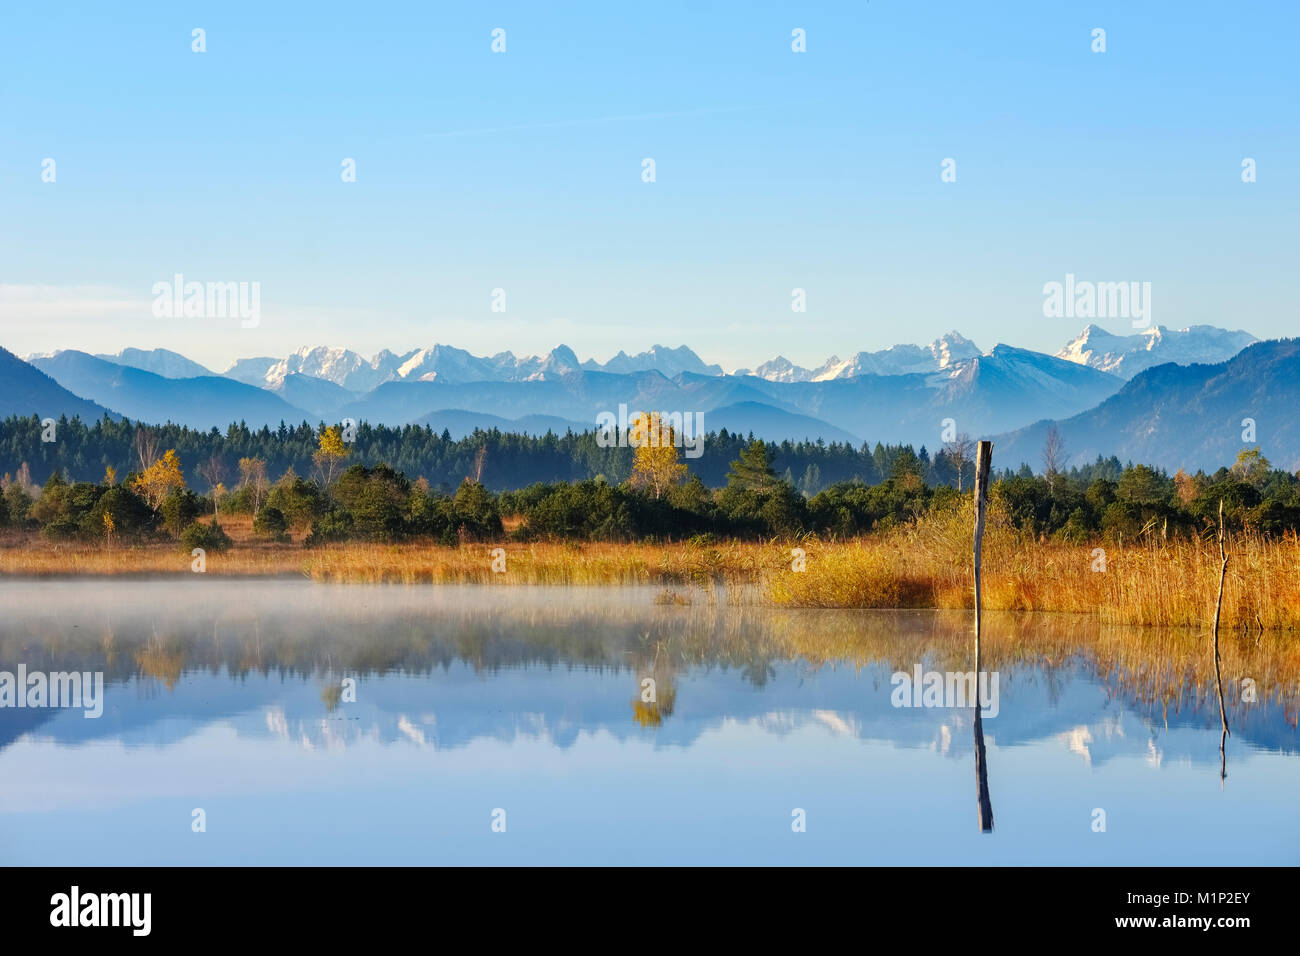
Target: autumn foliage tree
(330,452)
(160,479)
(655,467)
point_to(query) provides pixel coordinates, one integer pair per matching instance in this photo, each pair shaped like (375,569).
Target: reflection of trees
(359,632)
(652,713)
(161,663)
(758,671)
(651,659)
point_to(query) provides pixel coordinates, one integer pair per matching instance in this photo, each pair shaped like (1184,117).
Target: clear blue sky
(522,171)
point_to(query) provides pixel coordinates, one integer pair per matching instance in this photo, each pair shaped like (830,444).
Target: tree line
(343,495)
(502,461)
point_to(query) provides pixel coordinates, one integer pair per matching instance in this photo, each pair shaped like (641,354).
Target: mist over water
(231,697)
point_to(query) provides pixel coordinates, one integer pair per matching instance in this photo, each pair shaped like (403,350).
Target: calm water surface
(227,697)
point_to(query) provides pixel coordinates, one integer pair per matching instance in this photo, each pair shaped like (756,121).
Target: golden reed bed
(925,565)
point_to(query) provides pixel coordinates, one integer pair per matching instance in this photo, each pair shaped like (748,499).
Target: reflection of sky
(411,772)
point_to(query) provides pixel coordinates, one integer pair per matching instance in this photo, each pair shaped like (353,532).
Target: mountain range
(1126,355)
(1122,355)
(1190,417)
(27,390)
(446,364)
(1094,388)
(202,401)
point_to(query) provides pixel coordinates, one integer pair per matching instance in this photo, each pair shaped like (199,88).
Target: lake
(305,723)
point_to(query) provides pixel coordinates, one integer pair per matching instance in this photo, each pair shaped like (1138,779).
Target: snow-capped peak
(1126,355)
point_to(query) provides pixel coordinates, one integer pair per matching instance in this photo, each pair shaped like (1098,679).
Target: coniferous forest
(119,478)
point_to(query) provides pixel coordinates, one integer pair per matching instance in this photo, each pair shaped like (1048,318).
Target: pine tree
(752,471)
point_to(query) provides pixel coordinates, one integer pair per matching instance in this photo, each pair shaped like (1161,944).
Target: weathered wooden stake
(983,463)
(1218,676)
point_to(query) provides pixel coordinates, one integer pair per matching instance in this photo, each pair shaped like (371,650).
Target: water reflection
(795,702)
(983,800)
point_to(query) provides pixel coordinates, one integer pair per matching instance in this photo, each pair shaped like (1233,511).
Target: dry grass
(412,562)
(1150,583)
(925,565)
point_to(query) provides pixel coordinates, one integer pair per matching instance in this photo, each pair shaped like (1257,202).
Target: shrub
(19,504)
(61,527)
(52,501)
(299,500)
(378,500)
(271,523)
(430,514)
(476,511)
(1076,529)
(209,537)
(131,514)
(180,509)
(334,525)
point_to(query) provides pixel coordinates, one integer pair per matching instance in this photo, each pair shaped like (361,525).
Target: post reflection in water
(305,718)
(982,775)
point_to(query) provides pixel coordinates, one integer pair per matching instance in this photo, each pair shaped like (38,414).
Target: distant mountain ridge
(159,361)
(1175,416)
(901,394)
(1122,355)
(201,402)
(942,353)
(29,391)
(445,363)
(1126,355)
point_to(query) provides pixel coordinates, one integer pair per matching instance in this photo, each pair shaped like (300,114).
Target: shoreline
(1148,584)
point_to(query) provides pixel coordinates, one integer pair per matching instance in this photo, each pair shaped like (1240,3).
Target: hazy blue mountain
(575,396)
(26,390)
(773,424)
(1008,382)
(1186,417)
(162,362)
(1122,355)
(317,395)
(396,403)
(461,423)
(204,402)
(902,394)
(982,395)
(993,392)
(764,421)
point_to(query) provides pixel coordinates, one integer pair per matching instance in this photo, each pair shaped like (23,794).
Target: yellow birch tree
(654,462)
(330,453)
(157,481)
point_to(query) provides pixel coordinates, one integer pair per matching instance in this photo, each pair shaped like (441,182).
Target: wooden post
(1218,676)
(983,463)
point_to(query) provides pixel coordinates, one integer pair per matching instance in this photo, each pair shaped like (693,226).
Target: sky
(522,171)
